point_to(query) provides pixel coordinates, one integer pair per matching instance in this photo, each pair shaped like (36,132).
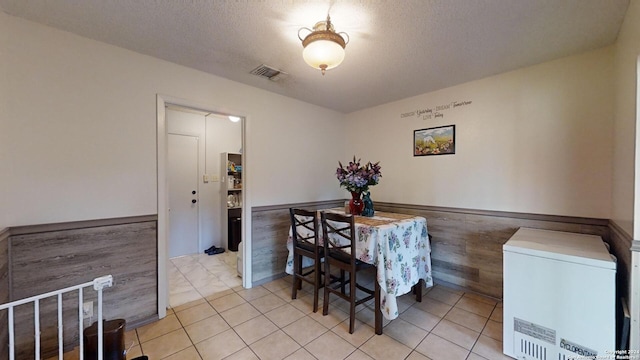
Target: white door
(183,194)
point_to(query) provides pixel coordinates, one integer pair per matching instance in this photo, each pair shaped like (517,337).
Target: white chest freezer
(559,296)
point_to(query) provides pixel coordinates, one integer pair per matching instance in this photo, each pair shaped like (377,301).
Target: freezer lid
(563,246)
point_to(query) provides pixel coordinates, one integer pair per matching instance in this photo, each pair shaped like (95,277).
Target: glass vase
(355,204)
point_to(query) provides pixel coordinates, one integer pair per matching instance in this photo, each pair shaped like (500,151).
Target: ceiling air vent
(269,73)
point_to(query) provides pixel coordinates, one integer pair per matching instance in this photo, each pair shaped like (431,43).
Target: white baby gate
(97,283)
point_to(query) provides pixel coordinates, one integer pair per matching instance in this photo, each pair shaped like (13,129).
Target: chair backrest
(304,227)
(339,234)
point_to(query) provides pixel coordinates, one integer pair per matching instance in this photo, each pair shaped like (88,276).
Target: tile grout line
(330,329)
(261,314)
(223,319)
(205,301)
(282,328)
(470,351)
(478,339)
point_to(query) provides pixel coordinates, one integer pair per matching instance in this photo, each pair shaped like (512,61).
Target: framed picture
(435,141)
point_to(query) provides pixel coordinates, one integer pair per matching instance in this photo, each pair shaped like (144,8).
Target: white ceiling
(398,48)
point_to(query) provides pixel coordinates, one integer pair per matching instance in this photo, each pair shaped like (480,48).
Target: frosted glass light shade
(323,52)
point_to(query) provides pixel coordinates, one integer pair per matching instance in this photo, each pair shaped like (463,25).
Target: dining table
(398,246)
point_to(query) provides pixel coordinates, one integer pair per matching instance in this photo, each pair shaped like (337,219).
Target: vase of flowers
(357,179)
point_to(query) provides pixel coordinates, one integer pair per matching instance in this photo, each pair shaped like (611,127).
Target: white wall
(627,50)
(534,140)
(78,129)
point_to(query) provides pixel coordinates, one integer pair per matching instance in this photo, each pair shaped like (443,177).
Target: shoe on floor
(215,251)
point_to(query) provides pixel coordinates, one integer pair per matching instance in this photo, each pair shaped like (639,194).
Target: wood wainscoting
(621,243)
(4,289)
(466,248)
(49,257)
(270,229)
(467,244)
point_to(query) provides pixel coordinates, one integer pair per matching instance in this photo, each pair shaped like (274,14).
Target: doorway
(209,179)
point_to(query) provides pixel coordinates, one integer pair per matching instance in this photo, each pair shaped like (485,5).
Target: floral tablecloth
(398,245)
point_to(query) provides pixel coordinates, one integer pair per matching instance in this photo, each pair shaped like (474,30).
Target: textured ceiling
(398,48)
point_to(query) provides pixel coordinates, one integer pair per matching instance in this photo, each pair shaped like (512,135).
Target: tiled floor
(213,317)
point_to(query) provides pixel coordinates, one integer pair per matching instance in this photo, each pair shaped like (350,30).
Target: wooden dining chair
(340,252)
(304,234)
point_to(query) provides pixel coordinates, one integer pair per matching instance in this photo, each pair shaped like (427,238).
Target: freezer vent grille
(532,350)
(532,341)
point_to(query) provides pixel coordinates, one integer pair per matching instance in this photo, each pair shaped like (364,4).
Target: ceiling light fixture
(323,47)
(234,118)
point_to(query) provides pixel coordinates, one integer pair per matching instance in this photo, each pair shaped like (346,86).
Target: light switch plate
(214,178)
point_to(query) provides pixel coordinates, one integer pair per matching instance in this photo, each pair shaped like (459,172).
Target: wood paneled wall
(467,244)
(270,229)
(620,243)
(466,247)
(4,290)
(50,257)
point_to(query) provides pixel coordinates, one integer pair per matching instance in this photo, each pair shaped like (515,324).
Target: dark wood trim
(10,267)
(73,225)
(621,245)
(5,288)
(465,289)
(495,213)
(142,322)
(268,279)
(324,203)
(621,233)
(506,214)
(5,235)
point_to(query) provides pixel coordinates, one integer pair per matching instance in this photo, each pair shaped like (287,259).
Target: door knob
(193,201)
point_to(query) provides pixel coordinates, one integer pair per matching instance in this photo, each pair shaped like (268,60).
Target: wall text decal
(435,112)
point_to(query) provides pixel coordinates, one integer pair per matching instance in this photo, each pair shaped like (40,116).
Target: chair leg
(316,284)
(299,271)
(294,284)
(378,311)
(418,290)
(327,283)
(352,300)
(294,288)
